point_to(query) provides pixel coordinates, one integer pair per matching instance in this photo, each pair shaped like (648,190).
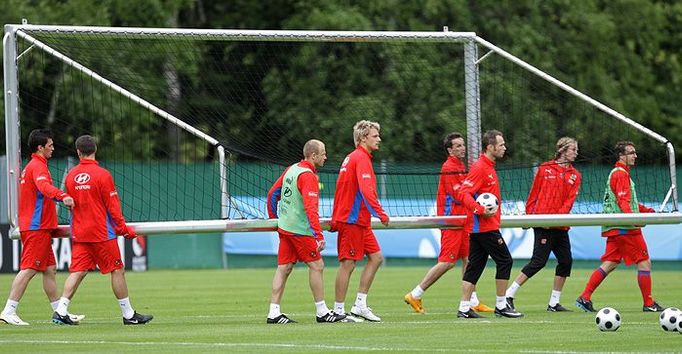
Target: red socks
(595,279)
(644,281)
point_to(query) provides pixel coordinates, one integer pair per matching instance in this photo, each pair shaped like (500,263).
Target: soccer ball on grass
(488,201)
(669,319)
(608,320)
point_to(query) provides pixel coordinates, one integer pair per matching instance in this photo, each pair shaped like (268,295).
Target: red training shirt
(482,178)
(554,190)
(37,209)
(96,215)
(355,199)
(452,174)
(309,187)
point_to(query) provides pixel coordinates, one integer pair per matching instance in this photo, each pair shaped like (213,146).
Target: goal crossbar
(400,223)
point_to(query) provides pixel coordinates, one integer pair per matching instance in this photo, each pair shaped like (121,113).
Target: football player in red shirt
(294,198)
(622,242)
(485,239)
(96,219)
(355,202)
(454,242)
(37,225)
(554,190)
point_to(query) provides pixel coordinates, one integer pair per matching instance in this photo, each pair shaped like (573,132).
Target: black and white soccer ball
(488,201)
(669,319)
(679,324)
(608,319)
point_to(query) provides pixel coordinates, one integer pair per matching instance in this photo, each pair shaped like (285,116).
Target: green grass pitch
(225,311)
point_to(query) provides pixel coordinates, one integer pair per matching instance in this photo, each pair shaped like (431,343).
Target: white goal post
(470,42)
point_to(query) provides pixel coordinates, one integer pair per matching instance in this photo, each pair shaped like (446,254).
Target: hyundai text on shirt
(96,215)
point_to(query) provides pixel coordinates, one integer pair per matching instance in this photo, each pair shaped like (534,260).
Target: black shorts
(546,241)
(482,245)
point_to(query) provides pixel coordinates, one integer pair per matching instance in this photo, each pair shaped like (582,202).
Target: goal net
(198,124)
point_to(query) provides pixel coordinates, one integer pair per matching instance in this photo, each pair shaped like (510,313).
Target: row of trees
(624,53)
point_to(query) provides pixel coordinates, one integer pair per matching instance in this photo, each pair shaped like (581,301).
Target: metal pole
(224,197)
(472,100)
(403,223)
(12,131)
(260,35)
(673,174)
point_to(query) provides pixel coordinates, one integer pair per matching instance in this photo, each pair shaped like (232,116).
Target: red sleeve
(532,201)
(41,178)
(274,195)
(469,187)
(620,185)
(572,195)
(113,205)
(367,185)
(309,187)
(645,209)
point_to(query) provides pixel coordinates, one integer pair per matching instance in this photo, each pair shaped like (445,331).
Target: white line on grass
(245,345)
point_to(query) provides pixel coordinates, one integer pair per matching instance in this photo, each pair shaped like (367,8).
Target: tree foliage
(624,53)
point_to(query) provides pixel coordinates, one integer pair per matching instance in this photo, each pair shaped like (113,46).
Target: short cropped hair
(619,149)
(447,142)
(562,144)
(361,130)
(311,147)
(490,138)
(86,145)
(38,137)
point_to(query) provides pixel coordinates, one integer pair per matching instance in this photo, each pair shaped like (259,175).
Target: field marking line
(246,345)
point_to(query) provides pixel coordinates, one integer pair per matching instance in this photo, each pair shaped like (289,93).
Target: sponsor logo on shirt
(82,179)
(366,176)
(312,194)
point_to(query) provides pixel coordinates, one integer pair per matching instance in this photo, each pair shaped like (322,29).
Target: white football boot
(13,319)
(364,312)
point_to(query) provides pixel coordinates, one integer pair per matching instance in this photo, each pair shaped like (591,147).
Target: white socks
(126,309)
(274,311)
(417,292)
(63,306)
(11,307)
(554,298)
(511,292)
(321,308)
(500,302)
(474,300)
(339,308)
(54,305)
(361,300)
(464,306)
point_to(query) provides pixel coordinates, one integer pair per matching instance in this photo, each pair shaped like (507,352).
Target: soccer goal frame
(472,60)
